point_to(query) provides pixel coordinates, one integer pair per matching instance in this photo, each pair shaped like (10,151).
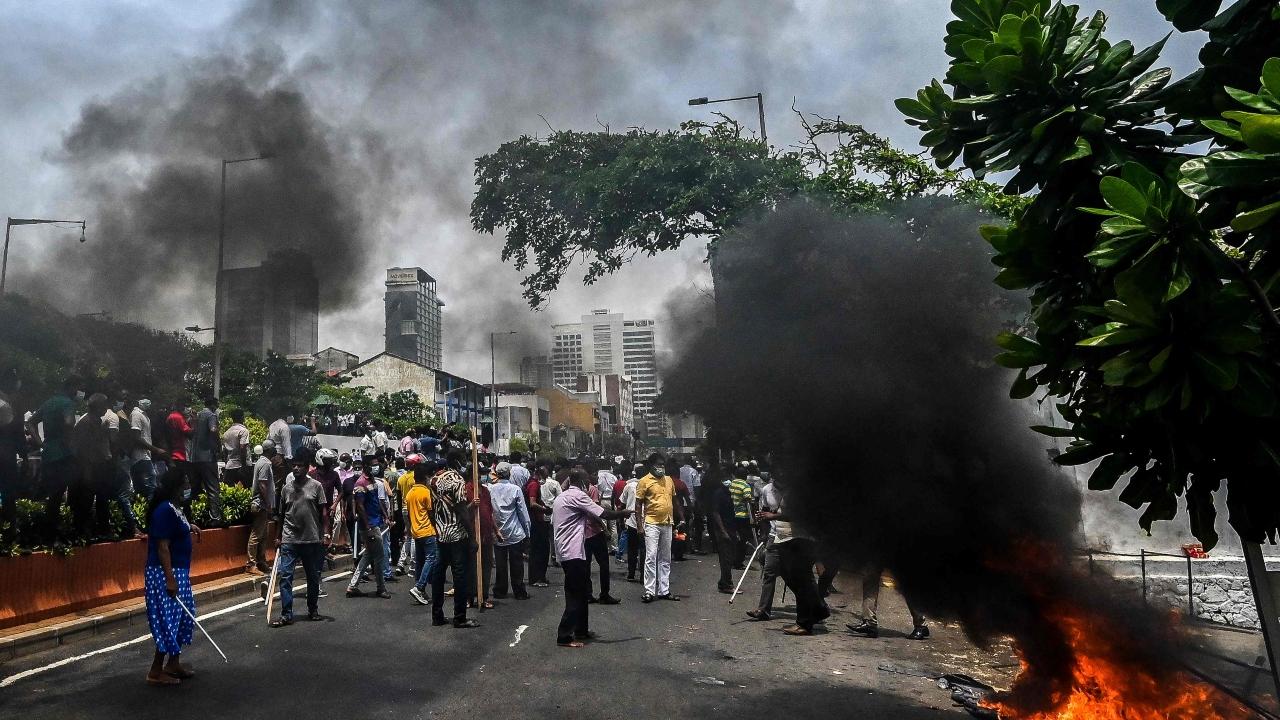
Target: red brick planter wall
(42,585)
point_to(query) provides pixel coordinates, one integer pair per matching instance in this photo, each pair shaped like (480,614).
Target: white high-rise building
(605,343)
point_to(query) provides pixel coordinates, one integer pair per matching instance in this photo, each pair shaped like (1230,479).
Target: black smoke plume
(859,350)
(150,157)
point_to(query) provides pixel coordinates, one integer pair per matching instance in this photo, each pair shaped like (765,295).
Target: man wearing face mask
(142,454)
(656,515)
(57,465)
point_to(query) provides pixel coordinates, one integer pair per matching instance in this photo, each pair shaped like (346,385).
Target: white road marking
(67,661)
(519,631)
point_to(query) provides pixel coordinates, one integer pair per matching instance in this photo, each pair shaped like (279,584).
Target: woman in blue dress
(168,578)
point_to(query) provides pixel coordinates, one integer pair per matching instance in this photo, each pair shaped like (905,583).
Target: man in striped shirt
(742,496)
(449,510)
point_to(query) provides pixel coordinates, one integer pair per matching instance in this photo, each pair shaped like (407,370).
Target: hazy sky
(404,95)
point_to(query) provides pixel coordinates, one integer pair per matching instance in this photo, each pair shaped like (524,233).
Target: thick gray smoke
(150,157)
(860,350)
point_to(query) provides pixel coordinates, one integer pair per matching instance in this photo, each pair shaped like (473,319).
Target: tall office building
(274,307)
(413,316)
(606,343)
(535,371)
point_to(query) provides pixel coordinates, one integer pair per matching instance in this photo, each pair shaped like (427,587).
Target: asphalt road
(374,658)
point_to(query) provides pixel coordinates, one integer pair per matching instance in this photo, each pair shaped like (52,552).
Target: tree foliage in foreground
(1150,266)
(603,198)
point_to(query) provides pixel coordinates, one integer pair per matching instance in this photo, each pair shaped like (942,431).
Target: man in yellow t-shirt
(417,504)
(404,481)
(656,513)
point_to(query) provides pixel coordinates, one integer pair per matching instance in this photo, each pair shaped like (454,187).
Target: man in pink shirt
(573,516)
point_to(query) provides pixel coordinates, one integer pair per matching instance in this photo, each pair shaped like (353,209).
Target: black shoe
(647,598)
(725,590)
(355,592)
(383,594)
(608,600)
(591,601)
(393,578)
(758,615)
(282,622)
(669,596)
(522,596)
(466,624)
(823,613)
(437,622)
(865,628)
(920,633)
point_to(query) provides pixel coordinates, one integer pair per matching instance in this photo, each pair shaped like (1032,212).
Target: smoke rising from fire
(859,350)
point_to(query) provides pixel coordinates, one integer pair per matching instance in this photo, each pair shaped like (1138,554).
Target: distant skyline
(405,96)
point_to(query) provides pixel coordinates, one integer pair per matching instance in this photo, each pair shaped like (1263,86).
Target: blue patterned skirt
(170,626)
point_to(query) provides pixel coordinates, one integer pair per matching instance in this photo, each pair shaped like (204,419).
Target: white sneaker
(418,596)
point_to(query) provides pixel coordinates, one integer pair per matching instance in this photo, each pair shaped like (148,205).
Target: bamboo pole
(475,492)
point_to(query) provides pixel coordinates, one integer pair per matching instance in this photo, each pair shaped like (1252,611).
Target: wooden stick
(475,492)
(271,586)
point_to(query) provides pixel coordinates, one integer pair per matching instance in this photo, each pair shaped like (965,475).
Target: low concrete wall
(43,585)
(1218,587)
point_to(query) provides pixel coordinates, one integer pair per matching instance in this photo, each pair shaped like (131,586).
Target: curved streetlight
(758,97)
(10,222)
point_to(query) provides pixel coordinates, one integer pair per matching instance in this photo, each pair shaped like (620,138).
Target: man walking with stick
(303,515)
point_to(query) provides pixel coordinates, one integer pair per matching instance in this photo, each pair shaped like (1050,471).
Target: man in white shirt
(604,485)
(143,468)
(628,502)
(519,473)
(280,434)
(692,479)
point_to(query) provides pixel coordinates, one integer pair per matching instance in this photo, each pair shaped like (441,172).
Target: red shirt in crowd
(179,431)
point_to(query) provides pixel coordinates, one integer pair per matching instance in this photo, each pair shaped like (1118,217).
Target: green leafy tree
(519,443)
(1149,267)
(402,410)
(604,198)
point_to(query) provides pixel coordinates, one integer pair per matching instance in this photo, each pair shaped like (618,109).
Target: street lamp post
(493,382)
(758,97)
(10,222)
(217,285)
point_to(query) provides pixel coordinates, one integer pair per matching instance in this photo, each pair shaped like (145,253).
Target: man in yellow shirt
(417,503)
(404,481)
(656,514)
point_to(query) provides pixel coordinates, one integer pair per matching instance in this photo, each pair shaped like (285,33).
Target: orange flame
(1106,688)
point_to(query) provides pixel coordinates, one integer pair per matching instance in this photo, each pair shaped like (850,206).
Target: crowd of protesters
(407,510)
